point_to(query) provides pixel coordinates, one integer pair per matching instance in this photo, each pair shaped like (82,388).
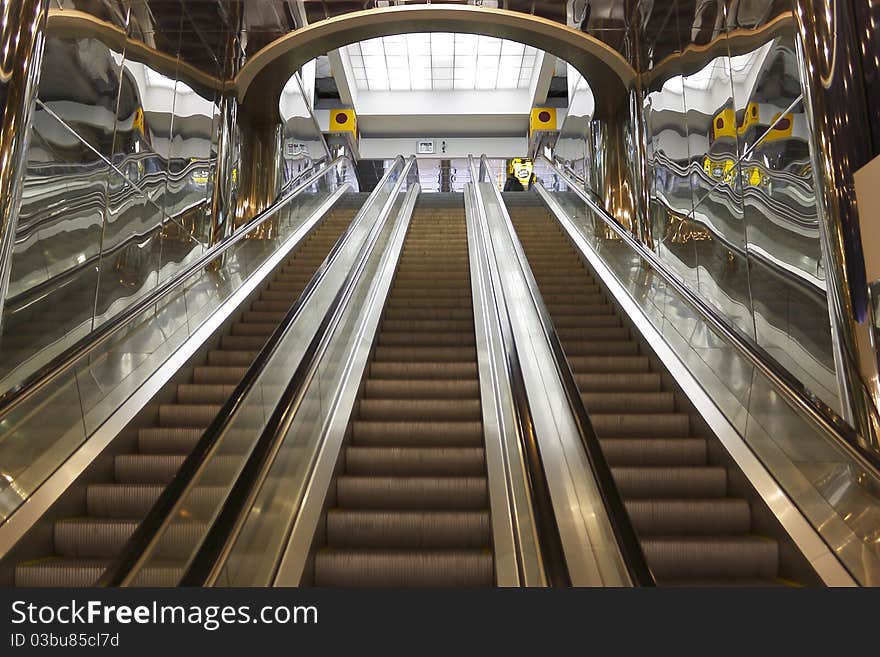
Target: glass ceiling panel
(441,60)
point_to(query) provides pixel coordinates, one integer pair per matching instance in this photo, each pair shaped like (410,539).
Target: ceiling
(440,60)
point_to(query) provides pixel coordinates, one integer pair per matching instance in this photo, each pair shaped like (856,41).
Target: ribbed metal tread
(412,501)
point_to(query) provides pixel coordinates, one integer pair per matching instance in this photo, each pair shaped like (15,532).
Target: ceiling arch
(263,77)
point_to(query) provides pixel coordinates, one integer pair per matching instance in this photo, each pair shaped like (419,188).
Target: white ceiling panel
(441,60)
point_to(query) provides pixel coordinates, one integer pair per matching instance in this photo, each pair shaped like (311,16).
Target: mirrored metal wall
(134,163)
(118,185)
(726,151)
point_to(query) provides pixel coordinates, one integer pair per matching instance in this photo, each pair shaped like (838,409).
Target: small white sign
(295,148)
(425,147)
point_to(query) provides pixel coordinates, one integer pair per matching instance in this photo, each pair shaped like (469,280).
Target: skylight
(440,60)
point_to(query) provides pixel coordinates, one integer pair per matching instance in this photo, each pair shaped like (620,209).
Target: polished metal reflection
(22,37)
(87,387)
(837,115)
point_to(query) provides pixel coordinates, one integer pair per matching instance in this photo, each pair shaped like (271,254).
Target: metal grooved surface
(83,546)
(691,529)
(412,505)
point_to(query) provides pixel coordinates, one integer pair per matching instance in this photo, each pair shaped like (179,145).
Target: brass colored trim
(265,74)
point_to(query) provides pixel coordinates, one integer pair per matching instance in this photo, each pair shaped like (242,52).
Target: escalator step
(396,568)
(377,492)
(415,409)
(712,557)
(415,461)
(421,388)
(690,517)
(408,529)
(654,451)
(447,434)
(670,482)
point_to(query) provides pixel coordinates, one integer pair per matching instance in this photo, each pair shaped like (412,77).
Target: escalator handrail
(792,389)
(549,540)
(147,532)
(40,379)
(227,524)
(625,534)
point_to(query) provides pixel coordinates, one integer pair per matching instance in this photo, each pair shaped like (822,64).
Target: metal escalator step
(600,348)
(585,321)
(618,382)
(408,529)
(429,326)
(747,557)
(422,568)
(168,440)
(576,309)
(447,434)
(253,329)
(654,451)
(411,492)
(600,333)
(187,415)
(416,409)
(388,338)
(242,342)
(401,303)
(629,402)
(405,313)
(121,501)
(671,482)
(414,461)
(262,317)
(222,358)
(425,354)
(725,516)
(57,572)
(201,393)
(271,306)
(665,425)
(609,364)
(146,468)
(421,388)
(274,295)
(215,375)
(423,370)
(135,500)
(94,538)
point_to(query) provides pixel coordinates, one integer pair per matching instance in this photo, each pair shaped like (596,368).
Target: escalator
(685,502)
(410,504)
(112,505)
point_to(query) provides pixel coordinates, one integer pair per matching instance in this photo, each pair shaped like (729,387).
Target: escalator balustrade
(692,529)
(113,507)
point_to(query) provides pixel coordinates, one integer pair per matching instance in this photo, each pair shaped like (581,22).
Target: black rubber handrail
(37,381)
(793,390)
(549,539)
(147,532)
(621,525)
(229,520)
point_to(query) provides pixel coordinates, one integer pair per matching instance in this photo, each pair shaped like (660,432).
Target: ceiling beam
(541,77)
(342,73)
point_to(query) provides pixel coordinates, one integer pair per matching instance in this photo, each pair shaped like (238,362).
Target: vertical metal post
(22,39)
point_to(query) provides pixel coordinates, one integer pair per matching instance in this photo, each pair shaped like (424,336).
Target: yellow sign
(542,118)
(343,120)
(521,168)
(138,121)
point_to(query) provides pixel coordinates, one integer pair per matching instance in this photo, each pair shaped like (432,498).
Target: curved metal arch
(266,73)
